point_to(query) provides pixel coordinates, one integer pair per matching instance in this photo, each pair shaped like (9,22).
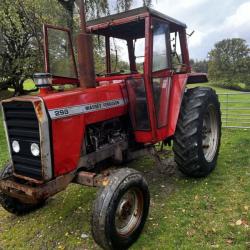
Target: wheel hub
(129,212)
(125,209)
(210,134)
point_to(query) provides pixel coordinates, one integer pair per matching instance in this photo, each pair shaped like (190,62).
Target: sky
(212,21)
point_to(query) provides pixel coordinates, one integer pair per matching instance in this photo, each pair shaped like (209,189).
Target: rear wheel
(13,205)
(198,133)
(120,210)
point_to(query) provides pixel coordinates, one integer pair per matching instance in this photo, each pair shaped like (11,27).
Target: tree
(68,5)
(21,46)
(97,8)
(199,66)
(16,49)
(123,5)
(230,61)
(147,3)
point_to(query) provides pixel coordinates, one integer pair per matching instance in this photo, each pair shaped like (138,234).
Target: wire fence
(235,109)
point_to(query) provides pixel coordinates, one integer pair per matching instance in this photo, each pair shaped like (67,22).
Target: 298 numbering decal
(61,112)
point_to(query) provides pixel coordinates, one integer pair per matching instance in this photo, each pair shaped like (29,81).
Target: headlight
(16,146)
(35,150)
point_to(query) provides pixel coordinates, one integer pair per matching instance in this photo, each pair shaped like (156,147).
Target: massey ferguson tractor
(64,135)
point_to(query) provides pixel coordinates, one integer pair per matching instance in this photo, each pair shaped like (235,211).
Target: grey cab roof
(135,12)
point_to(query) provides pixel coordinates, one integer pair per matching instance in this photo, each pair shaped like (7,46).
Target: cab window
(160,46)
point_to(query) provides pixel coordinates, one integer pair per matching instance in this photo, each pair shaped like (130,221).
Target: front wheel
(198,132)
(13,205)
(120,210)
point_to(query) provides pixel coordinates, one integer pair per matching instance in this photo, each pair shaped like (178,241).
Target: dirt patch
(162,176)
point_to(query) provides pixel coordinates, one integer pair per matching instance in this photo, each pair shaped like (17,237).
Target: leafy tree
(230,61)
(97,8)
(123,5)
(147,3)
(199,66)
(21,47)
(68,5)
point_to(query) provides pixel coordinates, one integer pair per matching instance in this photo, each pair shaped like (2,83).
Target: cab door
(149,94)
(161,79)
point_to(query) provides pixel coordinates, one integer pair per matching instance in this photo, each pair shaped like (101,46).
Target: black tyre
(198,132)
(120,210)
(13,205)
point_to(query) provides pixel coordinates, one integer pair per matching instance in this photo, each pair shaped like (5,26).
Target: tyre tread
(186,137)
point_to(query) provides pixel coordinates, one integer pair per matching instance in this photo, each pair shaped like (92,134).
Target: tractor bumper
(33,194)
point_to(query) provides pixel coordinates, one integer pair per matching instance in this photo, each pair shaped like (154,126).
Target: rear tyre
(13,205)
(198,133)
(120,210)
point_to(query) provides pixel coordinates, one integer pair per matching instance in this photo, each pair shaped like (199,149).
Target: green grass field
(185,213)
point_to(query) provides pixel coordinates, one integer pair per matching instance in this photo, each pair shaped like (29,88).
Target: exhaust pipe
(85,52)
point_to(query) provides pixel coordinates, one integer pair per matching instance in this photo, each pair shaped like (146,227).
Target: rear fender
(197,78)
(178,88)
(179,82)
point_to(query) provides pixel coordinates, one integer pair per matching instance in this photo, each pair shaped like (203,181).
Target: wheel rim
(129,212)
(210,134)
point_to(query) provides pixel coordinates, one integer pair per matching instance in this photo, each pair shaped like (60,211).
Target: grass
(185,213)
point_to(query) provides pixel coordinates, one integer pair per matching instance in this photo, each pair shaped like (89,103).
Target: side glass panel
(161,91)
(60,53)
(176,55)
(139,46)
(138,104)
(119,56)
(160,46)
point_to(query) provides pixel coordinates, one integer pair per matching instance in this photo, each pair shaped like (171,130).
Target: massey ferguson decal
(86,108)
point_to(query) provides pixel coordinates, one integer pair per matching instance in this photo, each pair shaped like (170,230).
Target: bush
(233,86)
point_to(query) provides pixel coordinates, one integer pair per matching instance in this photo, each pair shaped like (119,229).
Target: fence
(235,109)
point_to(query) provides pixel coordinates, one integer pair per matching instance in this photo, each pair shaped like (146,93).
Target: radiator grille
(22,126)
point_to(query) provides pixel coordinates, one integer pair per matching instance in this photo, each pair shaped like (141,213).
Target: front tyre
(13,205)
(120,210)
(198,133)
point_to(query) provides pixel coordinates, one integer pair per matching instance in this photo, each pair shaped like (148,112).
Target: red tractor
(63,135)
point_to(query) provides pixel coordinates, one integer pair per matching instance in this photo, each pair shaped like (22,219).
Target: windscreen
(60,53)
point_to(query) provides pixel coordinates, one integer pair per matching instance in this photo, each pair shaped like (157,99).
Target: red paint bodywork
(68,133)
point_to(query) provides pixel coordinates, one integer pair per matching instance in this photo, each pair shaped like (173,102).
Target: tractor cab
(142,49)
(142,41)
(146,48)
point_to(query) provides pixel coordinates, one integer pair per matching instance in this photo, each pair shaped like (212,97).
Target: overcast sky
(212,20)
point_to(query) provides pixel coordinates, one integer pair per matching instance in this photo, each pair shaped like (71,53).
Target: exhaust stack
(85,52)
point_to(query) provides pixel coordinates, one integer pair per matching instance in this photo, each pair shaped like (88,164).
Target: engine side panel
(67,140)
(72,111)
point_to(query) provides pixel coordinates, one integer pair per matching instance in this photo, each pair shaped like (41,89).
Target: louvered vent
(22,126)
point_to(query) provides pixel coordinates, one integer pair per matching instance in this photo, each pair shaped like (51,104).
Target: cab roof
(139,12)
